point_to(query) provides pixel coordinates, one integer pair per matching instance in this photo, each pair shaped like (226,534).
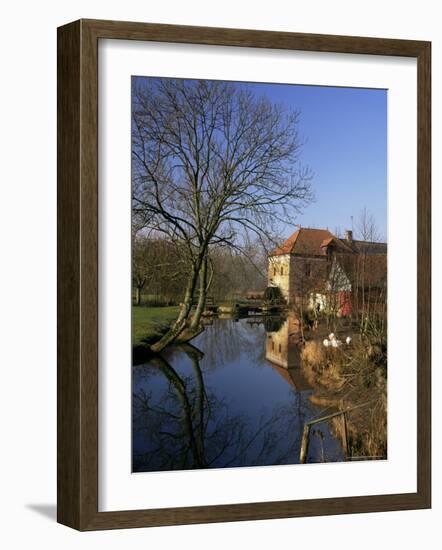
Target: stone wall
(297,275)
(307,275)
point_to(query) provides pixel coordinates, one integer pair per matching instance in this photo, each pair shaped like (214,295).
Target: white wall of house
(279,273)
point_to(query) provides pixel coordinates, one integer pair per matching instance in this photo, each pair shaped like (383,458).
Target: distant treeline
(160,271)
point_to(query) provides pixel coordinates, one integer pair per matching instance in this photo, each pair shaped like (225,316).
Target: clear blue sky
(345,134)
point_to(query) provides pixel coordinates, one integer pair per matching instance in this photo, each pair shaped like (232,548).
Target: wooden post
(304,444)
(308,425)
(345,435)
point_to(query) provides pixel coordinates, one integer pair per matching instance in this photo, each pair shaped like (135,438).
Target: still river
(235,397)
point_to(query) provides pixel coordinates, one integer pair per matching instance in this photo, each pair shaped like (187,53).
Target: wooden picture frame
(78,274)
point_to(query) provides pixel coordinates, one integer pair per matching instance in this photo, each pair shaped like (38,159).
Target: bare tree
(142,269)
(155,263)
(212,164)
(236,272)
(370,276)
(366,227)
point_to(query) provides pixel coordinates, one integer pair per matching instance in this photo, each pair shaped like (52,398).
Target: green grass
(150,323)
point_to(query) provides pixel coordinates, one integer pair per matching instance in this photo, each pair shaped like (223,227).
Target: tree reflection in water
(226,406)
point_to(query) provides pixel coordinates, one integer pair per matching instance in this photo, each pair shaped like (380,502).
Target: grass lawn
(149,323)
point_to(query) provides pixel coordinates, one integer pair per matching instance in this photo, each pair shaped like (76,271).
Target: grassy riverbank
(150,323)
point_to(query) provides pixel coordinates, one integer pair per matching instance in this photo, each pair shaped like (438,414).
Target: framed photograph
(243,275)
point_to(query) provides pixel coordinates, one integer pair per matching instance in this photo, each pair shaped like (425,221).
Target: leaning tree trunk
(195,324)
(181,323)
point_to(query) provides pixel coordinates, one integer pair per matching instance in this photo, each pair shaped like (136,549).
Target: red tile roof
(312,242)
(326,242)
(304,241)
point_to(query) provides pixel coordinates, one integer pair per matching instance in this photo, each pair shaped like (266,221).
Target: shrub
(314,353)
(273,295)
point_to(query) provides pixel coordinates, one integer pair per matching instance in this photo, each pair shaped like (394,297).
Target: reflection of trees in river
(225,337)
(273,324)
(190,427)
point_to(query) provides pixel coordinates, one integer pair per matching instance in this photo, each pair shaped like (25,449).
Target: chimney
(349,236)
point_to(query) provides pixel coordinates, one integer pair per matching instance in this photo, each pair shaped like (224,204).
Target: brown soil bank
(352,377)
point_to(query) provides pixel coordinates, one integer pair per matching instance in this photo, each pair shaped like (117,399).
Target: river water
(235,397)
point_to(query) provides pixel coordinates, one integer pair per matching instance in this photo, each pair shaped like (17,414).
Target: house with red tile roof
(314,263)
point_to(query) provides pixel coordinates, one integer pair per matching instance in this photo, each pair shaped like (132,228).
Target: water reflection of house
(316,263)
(282,346)
(283,351)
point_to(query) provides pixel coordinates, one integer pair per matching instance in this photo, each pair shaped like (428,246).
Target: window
(274,271)
(282,270)
(273,345)
(279,348)
(307,269)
